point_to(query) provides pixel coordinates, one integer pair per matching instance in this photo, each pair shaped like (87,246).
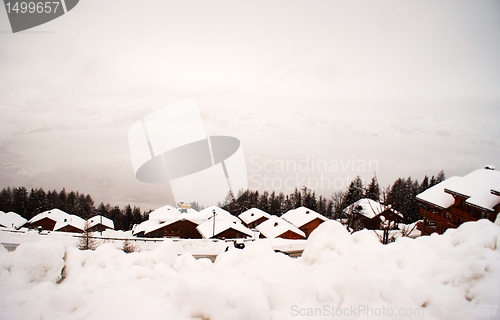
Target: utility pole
(213,235)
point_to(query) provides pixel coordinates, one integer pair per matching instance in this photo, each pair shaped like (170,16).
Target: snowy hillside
(452,276)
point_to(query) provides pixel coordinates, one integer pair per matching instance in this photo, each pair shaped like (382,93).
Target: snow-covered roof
(369,208)
(92,222)
(193,216)
(366,207)
(252,215)
(477,187)
(70,220)
(206,229)
(164,213)
(168,214)
(301,216)
(145,225)
(11,220)
(275,226)
(53,214)
(220,213)
(149,227)
(437,196)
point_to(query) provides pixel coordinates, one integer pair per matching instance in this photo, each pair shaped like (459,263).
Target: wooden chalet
(460,199)
(305,219)
(182,228)
(223,229)
(275,227)
(251,218)
(100,223)
(47,220)
(71,223)
(370,214)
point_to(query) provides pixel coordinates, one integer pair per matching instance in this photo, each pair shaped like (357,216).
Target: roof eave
(431,203)
(480,207)
(456,193)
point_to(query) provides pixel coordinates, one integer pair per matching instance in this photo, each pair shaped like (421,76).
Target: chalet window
(484,215)
(447,215)
(430,224)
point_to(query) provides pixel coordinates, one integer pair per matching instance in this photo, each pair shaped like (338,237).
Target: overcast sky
(409,87)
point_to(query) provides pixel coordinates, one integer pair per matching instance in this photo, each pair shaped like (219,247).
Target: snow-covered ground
(196,247)
(452,276)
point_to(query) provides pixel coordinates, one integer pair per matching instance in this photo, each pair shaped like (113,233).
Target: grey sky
(413,85)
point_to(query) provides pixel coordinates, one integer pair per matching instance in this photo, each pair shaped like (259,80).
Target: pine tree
(20,201)
(310,200)
(440,177)
(137,216)
(274,205)
(103,210)
(128,219)
(296,199)
(373,190)
(424,185)
(52,199)
(355,192)
(71,203)
(6,200)
(287,204)
(116,215)
(264,202)
(63,196)
(402,197)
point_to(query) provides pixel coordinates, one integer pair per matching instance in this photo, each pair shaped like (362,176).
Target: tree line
(401,195)
(30,203)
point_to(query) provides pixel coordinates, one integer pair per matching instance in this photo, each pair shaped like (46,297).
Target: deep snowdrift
(453,276)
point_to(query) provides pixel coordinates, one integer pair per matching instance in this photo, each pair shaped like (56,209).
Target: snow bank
(452,276)
(38,261)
